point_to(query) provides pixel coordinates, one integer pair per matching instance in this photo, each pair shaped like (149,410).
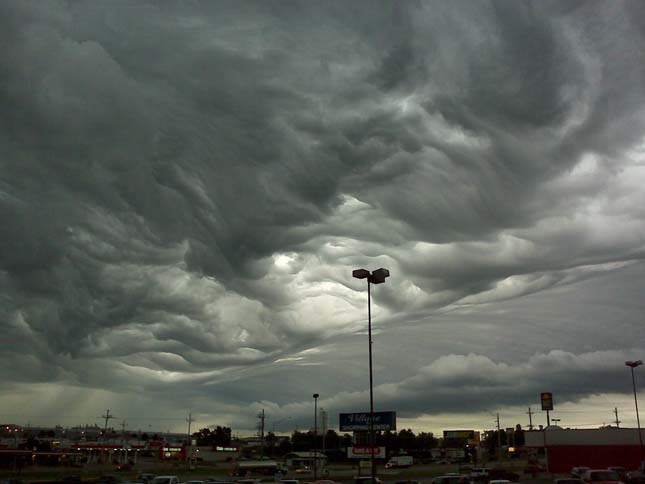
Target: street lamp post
(632,365)
(375,277)
(316,395)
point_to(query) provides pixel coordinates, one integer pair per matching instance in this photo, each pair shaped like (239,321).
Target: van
(399,461)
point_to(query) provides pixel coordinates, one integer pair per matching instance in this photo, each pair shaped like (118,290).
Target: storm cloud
(185,188)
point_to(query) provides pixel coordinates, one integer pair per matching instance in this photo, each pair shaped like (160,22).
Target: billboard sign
(353,422)
(547,400)
(459,434)
(363,452)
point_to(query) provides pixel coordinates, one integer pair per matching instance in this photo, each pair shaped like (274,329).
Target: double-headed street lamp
(375,277)
(632,365)
(316,395)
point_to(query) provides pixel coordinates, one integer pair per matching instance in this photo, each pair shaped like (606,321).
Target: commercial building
(595,448)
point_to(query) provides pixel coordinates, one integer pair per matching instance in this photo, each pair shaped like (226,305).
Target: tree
(222,436)
(426,440)
(332,440)
(219,436)
(518,436)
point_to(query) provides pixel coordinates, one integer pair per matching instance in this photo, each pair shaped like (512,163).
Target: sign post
(547,404)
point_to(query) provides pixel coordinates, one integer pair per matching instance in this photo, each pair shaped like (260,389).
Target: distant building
(305,459)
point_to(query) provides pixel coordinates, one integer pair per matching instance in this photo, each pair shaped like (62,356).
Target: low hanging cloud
(185,188)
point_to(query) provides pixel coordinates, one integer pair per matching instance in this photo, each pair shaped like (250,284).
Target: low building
(595,448)
(305,459)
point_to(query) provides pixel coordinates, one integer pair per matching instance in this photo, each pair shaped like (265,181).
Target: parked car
(502,475)
(367,480)
(621,471)
(579,471)
(451,479)
(109,479)
(634,477)
(145,477)
(289,481)
(73,479)
(193,482)
(601,476)
(534,469)
(165,480)
(499,481)
(479,473)
(569,480)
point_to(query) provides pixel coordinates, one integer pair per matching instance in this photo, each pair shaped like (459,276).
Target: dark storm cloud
(185,187)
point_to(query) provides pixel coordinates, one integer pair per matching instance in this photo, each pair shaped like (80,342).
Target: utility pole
(324,423)
(107,417)
(499,440)
(617,421)
(123,447)
(530,414)
(190,420)
(261,417)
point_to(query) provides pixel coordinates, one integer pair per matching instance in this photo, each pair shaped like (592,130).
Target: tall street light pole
(375,277)
(632,365)
(316,395)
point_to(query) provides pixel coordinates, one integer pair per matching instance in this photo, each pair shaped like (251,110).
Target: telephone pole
(530,414)
(499,440)
(190,420)
(261,417)
(107,417)
(617,421)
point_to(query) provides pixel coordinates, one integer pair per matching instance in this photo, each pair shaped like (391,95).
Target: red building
(595,448)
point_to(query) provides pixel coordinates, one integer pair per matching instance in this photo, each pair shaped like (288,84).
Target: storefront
(595,448)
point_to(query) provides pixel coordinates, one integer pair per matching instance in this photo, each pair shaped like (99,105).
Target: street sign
(547,400)
(363,452)
(353,422)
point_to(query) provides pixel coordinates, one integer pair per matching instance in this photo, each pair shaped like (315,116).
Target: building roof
(305,455)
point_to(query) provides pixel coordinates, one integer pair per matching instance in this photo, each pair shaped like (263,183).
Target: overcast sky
(185,188)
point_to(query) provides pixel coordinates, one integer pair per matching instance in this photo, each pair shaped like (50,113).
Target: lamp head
(316,395)
(379,275)
(361,273)
(633,364)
